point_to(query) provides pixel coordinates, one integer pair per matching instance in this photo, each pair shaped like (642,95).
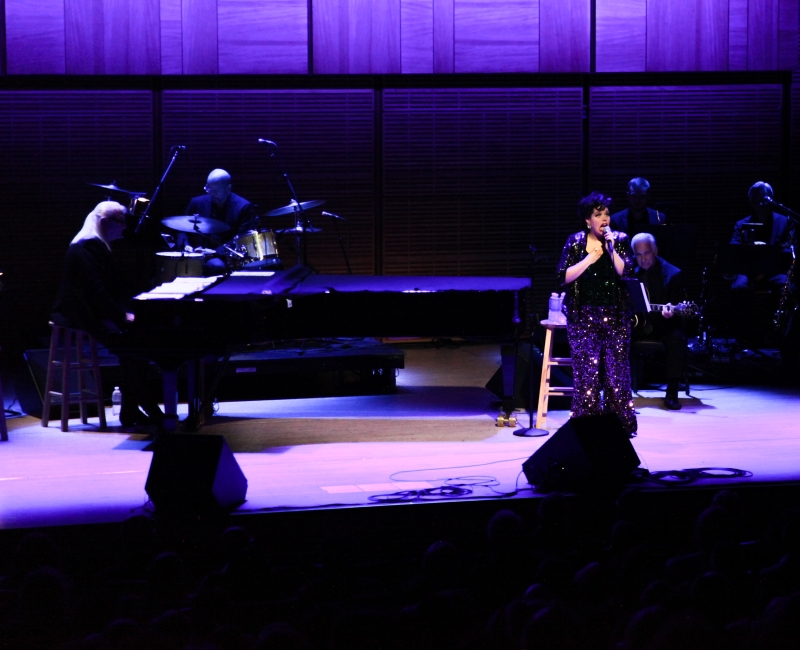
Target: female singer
(592,264)
(93,298)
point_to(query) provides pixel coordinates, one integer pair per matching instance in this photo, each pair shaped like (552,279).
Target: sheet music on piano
(179,288)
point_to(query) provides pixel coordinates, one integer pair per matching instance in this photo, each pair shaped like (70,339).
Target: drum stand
(301,222)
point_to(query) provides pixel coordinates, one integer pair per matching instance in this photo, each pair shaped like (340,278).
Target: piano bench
(68,358)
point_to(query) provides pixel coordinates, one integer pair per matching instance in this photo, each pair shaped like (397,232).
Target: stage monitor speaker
(587,452)
(193,474)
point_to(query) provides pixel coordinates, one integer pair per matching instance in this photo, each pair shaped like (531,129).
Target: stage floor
(438,429)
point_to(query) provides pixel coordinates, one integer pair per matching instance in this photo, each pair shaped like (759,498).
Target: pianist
(93,297)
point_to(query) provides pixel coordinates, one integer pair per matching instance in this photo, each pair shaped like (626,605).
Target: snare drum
(256,245)
(174,264)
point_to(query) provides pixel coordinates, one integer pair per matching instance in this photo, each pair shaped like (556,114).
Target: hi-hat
(298,229)
(195,223)
(114,188)
(293,207)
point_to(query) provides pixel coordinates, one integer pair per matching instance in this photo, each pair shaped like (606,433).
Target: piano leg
(169,377)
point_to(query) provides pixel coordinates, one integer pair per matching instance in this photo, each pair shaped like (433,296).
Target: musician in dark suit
(94,297)
(763,227)
(221,204)
(637,217)
(664,284)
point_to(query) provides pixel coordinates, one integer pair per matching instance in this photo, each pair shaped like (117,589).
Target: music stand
(751,259)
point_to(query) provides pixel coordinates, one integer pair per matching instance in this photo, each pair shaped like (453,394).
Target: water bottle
(116,401)
(553,311)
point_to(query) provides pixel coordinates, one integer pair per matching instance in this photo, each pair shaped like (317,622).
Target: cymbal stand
(301,222)
(175,150)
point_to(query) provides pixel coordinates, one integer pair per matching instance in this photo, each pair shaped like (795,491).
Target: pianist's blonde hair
(101,211)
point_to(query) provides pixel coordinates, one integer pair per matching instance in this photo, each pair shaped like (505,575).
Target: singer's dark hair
(592,202)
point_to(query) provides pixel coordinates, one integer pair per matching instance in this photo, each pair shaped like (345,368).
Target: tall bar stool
(72,359)
(546,391)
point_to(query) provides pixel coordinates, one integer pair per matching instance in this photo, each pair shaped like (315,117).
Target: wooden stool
(72,339)
(548,362)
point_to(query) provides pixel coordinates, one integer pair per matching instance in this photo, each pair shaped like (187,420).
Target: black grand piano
(194,318)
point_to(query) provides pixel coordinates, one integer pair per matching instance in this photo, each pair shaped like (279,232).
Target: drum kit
(251,250)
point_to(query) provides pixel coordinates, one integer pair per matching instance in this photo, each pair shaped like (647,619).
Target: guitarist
(664,284)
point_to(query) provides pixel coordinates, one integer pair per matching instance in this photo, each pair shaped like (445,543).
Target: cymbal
(295,230)
(114,188)
(293,207)
(195,223)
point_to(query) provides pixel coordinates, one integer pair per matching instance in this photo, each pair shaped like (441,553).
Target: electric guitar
(683,309)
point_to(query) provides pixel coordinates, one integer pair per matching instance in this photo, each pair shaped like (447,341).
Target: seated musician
(664,284)
(221,204)
(763,227)
(637,217)
(94,297)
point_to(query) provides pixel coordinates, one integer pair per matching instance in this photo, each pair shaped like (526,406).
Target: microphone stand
(341,244)
(301,223)
(531,431)
(175,151)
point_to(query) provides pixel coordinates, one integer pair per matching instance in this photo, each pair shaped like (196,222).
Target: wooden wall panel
(374,34)
(564,35)
(473,177)
(762,42)
(112,36)
(762,33)
(35,40)
(668,46)
(326,146)
(788,37)
(737,34)
(356,36)
(621,42)
(84,38)
(443,36)
(171,37)
(199,36)
(712,35)
(492,37)
(331,42)
(263,38)
(416,36)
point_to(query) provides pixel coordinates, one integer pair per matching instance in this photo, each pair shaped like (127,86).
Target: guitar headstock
(686,309)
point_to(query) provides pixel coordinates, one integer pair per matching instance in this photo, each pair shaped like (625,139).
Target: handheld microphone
(269,142)
(609,242)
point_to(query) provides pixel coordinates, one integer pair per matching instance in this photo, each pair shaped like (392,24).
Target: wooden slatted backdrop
(473,178)
(700,147)
(325,146)
(53,144)
(431,181)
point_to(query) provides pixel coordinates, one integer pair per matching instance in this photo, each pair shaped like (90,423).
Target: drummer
(221,204)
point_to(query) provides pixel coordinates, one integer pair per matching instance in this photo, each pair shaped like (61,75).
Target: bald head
(218,185)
